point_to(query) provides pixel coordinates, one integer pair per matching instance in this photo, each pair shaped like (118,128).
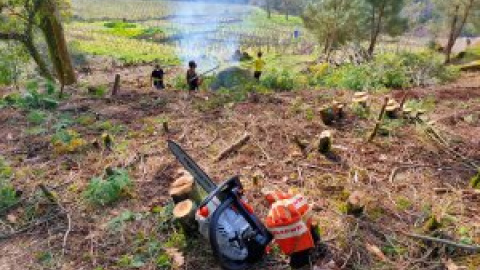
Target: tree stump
(184,188)
(355,204)
(116,85)
(184,214)
(392,109)
(325,142)
(360,99)
(327,115)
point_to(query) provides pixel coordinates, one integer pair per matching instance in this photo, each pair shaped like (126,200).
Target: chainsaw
(237,237)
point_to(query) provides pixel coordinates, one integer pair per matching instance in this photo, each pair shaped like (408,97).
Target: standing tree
(385,17)
(335,22)
(21,20)
(455,14)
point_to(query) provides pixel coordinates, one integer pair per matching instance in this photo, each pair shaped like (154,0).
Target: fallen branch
(443,241)
(379,121)
(234,147)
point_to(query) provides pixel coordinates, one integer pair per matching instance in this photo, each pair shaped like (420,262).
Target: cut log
(356,204)
(325,143)
(338,110)
(184,188)
(184,213)
(234,147)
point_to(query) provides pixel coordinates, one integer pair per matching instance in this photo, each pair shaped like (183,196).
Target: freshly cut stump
(184,188)
(356,204)
(184,213)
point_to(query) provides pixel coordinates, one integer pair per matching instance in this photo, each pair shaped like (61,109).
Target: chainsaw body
(238,238)
(236,235)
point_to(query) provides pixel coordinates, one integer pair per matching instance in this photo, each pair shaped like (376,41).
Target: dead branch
(379,121)
(443,241)
(234,147)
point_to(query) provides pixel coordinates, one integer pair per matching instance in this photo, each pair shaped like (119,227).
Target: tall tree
(23,19)
(385,17)
(455,14)
(335,22)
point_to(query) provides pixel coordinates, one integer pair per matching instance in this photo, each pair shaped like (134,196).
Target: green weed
(403,203)
(36,117)
(8,194)
(116,185)
(118,223)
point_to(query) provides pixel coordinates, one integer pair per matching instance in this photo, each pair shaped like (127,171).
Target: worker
(156,79)
(259,64)
(193,80)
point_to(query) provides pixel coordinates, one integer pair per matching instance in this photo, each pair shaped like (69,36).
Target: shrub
(67,141)
(33,99)
(107,191)
(279,81)
(390,71)
(36,117)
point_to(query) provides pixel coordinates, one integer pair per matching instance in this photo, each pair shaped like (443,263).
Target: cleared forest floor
(406,177)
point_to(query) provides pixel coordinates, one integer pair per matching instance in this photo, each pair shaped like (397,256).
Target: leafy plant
(279,81)
(117,223)
(116,185)
(67,141)
(36,117)
(8,195)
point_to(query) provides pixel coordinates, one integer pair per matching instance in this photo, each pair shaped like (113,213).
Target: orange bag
(289,220)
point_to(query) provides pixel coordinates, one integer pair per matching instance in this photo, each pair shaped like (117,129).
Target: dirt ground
(405,176)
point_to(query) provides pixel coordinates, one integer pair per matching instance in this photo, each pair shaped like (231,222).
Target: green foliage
(36,117)
(67,141)
(106,191)
(335,22)
(279,81)
(117,24)
(475,181)
(180,82)
(8,195)
(426,104)
(403,203)
(176,240)
(118,223)
(391,71)
(98,91)
(13,58)
(34,99)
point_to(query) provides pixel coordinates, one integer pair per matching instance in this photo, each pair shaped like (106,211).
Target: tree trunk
(52,29)
(451,36)
(376,29)
(455,31)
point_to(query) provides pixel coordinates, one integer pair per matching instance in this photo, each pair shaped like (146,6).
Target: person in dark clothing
(156,79)
(193,80)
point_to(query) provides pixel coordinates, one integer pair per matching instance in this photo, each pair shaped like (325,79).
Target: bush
(279,81)
(107,191)
(390,71)
(67,141)
(36,117)
(33,99)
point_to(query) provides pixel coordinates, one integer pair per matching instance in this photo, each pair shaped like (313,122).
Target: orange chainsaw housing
(289,220)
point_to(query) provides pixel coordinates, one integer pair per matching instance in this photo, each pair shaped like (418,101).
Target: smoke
(205,34)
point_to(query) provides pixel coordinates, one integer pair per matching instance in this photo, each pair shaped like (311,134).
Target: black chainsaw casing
(229,193)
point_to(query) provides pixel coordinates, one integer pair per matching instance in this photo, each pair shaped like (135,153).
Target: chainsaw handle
(227,185)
